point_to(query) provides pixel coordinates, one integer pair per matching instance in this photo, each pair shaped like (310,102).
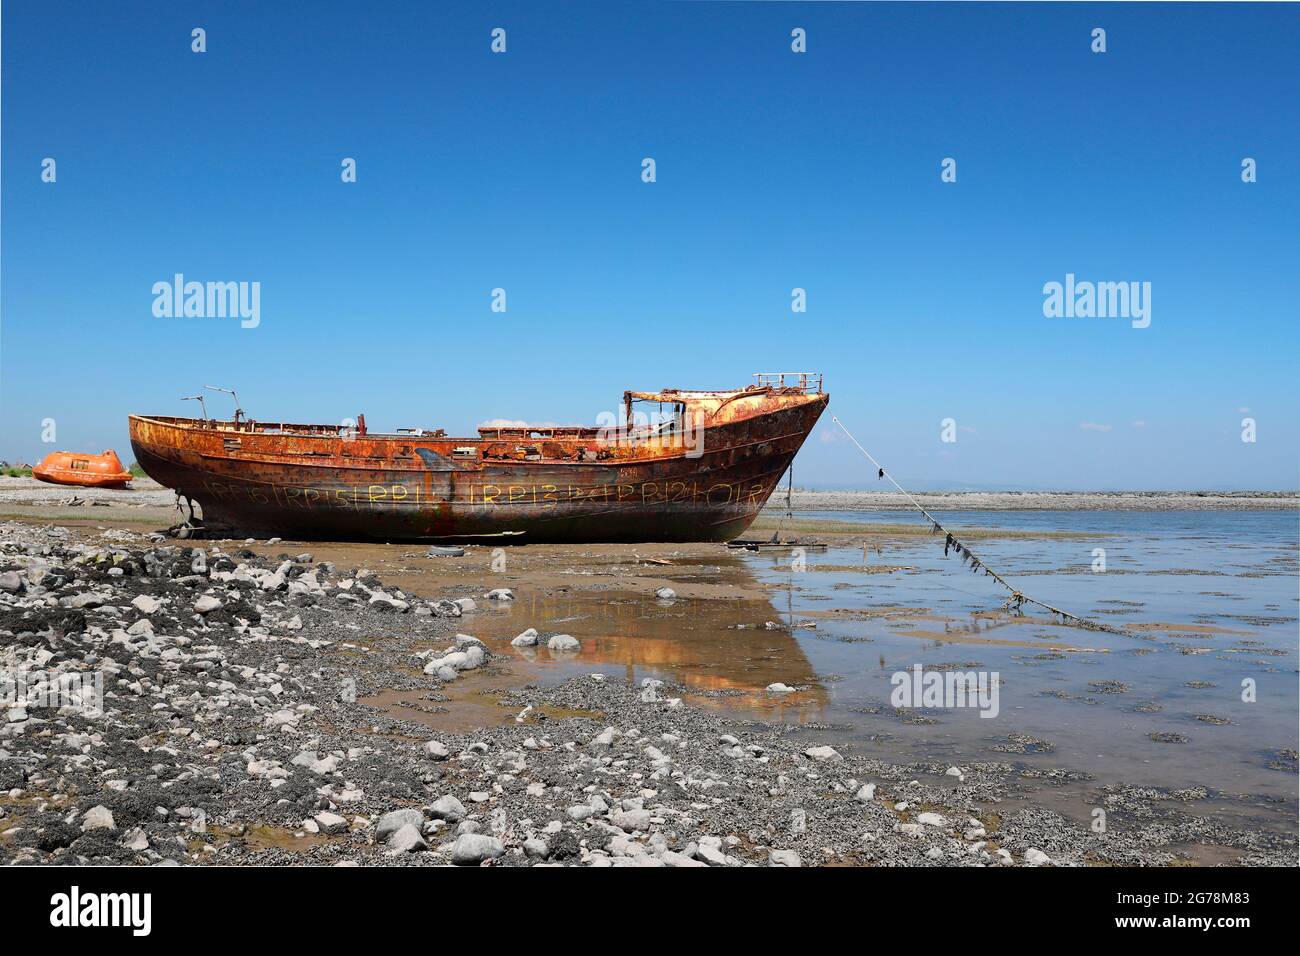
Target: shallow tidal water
(1209,598)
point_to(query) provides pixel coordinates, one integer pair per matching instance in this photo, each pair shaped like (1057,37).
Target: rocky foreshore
(231,726)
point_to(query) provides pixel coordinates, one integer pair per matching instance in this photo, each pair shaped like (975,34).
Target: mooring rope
(1018,598)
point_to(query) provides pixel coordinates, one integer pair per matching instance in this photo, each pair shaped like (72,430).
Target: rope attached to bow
(1018,598)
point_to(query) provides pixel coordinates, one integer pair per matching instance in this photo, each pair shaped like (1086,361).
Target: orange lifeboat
(91,471)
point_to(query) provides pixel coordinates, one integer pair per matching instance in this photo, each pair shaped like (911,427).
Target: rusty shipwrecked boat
(699,471)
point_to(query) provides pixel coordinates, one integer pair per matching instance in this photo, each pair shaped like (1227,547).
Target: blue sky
(775,170)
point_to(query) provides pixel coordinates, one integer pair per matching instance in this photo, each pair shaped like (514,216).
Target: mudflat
(808,500)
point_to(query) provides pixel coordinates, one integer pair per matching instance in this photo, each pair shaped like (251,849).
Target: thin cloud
(1138,424)
(1094,427)
(509,423)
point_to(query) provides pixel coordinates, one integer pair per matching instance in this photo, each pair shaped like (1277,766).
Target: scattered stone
(97,818)
(472,849)
(394,820)
(146,604)
(447,808)
(331,822)
(436,750)
(711,853)
(630,820)
(382,602)
(823,753)
(406,839)
(527,639)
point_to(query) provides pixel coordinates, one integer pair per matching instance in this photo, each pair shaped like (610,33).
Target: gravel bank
(232,728)
(143,492)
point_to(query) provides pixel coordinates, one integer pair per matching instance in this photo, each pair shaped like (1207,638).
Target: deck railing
(806,382)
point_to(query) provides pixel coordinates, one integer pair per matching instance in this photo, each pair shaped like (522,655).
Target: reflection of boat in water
(87,471)
(604,595)
(702,473)
(721,648)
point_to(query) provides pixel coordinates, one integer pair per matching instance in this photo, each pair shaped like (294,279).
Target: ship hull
(396,488)
(78,481)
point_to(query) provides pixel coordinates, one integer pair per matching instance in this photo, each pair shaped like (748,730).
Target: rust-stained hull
(705,483)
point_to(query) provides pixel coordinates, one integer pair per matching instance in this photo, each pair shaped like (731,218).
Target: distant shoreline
(1040,500)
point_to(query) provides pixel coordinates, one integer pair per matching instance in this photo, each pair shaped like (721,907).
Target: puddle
(264,837)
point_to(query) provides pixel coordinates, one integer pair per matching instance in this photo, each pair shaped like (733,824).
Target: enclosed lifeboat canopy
(75,468)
